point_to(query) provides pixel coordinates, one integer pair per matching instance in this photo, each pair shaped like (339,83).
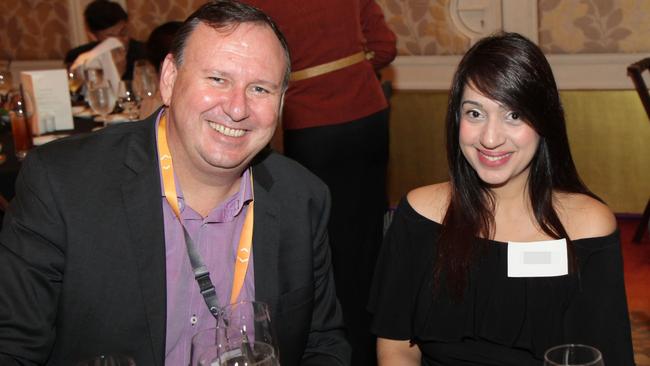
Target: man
(106,19)
(93,257)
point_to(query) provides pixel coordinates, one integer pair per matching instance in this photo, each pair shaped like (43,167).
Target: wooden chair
(635,71)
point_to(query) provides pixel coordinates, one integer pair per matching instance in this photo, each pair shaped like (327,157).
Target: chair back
(635,71)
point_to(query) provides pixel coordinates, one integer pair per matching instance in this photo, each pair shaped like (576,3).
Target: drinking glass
(93,76)
(205,343)
(20,128)
(127,100)
(5,86)
(101,99)
(75,80)
(108,360)
(145,79)
(252,354)
(247,322)
(573,355)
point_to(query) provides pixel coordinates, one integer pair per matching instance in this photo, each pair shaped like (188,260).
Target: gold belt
(321,69)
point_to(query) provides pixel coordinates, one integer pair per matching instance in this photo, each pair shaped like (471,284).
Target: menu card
(48,100)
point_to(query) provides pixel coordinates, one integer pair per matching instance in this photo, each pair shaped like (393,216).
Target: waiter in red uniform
(335,123)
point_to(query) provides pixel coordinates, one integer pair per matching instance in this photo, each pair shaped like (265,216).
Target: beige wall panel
(144,16)
(608,131)
(417,151)
(33,29)
(594,26)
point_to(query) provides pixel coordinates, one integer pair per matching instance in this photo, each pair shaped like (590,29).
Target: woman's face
(494,139)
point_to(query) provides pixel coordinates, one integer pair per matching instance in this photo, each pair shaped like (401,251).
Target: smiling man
(94,252)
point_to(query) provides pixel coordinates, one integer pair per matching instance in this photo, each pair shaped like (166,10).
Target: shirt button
(194,319)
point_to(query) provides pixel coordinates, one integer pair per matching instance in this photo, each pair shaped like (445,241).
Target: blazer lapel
(265,239)
(142,200)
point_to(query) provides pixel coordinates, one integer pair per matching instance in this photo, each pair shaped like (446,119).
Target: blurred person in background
(106,19)
(158,45)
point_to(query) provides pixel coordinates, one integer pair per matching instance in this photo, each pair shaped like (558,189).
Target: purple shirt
(216,238)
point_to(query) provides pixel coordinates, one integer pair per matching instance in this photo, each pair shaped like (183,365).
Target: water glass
(573,355)
(248,321)
(108,360)
(205,343)
(253,354)
(101,99)
(145,79)
(127,100)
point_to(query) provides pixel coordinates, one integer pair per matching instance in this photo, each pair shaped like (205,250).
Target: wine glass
(247,322)
(252,354)
(205,343)
(108,360)
(101,99)
(75,82)
(127,100)
(573,355)
(5,86)
(145,79)
(213,347)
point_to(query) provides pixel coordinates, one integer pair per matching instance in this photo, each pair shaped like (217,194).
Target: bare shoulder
(584,216)
(431,201)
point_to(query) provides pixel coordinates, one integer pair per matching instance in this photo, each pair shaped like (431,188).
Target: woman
(445,289)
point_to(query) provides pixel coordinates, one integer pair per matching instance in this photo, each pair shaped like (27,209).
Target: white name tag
(538,259)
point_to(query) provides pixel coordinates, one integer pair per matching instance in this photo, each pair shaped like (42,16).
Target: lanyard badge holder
(201,273)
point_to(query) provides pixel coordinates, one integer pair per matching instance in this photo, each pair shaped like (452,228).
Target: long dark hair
(511,70)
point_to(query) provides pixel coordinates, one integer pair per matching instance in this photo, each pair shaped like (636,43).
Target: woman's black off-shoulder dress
(500,321)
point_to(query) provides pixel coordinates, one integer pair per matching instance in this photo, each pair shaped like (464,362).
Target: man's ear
(168,73)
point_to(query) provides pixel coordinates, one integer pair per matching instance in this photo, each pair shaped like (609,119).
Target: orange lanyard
(169,187)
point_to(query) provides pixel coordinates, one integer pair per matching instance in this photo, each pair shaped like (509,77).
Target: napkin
(101,57)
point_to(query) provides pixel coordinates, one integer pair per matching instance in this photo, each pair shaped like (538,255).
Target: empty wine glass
(254,354)
(573,355)
(212,347)
(127,100)
(101,99)
(247,322)
(108,360)
(145,79)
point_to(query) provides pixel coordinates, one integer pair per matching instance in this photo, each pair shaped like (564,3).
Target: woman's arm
(399,353)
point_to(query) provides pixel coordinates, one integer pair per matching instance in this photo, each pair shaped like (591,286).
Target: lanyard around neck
(201,274)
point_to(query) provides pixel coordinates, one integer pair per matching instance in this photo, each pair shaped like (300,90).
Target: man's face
(120,31)
(225,97)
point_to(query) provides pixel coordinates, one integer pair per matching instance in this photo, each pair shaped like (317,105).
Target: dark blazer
(82,255)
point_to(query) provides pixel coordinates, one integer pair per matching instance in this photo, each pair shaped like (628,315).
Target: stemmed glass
(127,100)
(248,321)
(101,99)
(573,355)
(144,79)
(214,347)
(243,336)
(75,82)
